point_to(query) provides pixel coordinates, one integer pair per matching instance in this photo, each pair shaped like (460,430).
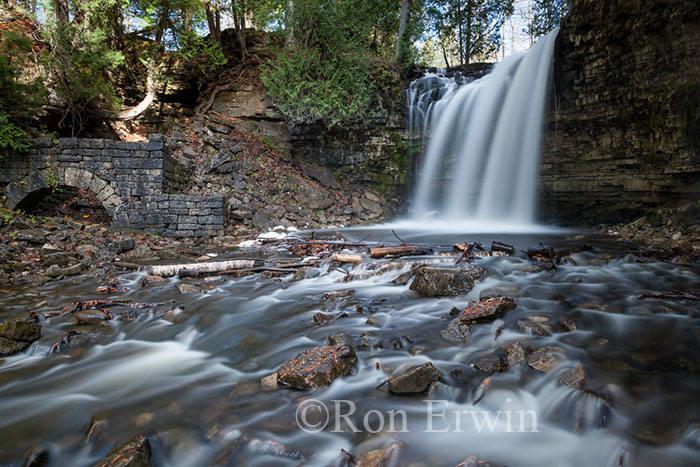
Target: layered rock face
(623,133)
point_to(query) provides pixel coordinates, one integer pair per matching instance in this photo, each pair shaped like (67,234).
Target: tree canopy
(329,60)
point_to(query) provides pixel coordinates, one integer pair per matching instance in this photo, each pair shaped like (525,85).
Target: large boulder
(435,282)
(318,366)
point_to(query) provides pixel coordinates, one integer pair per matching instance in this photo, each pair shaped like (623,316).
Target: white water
(481,159)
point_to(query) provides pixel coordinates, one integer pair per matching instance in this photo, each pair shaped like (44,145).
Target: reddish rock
(486,310)
(134,453)
(318,366)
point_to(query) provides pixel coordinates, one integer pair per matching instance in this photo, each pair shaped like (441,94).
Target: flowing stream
(190,380)
(185,368)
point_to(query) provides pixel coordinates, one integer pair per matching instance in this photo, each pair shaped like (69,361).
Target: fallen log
(382,252)
(169,270)
(345,258)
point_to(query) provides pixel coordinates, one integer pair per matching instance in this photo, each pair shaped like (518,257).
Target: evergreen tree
(546,15)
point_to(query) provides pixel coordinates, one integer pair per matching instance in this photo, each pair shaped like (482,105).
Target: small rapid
(190,380)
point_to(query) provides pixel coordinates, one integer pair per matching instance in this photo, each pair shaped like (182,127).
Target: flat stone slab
(414,380)
(318,366)
(437,282)
(486,310)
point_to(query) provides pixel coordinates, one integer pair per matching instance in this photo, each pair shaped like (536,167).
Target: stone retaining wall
(129,179)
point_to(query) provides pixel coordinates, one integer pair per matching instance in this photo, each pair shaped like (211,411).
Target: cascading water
(481,158)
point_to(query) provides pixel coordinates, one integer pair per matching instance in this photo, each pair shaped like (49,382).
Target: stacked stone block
(127,177)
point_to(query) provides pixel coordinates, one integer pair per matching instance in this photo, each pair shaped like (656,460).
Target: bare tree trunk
(60,9)
(444,55)
(468,45)
(403,21)
(289,23)
(239,10)
(459,32)
(134,112)
(211,22)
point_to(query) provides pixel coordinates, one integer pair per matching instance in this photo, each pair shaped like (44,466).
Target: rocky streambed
(585,347)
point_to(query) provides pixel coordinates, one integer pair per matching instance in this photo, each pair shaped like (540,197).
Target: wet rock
(188,288)
(545,358)
(322,319)
(380,457)
(9,346)
(37,457)
(568,325)
(515,353)
(269,383)
(97,428)
(531,328)
(55,271)
(502,291)
(575,378)
(70,340)
(92,316)
(545,251)
(248,388)
(19,330)
(417,349)
(268,447)
(368,342)
(414,380)
(456,331)
(487,310)
(338,294)
(473,461)
(492,363)
(134,453)
(149,279)
(340,338)
(318,366)
(436,282)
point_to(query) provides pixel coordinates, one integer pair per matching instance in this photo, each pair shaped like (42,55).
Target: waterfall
(483,139)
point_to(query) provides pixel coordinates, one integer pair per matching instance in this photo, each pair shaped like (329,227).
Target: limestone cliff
(623,134)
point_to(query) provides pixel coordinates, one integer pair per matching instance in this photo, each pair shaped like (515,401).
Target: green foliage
(12,136)
(323,72)
(80,59)
(546,15)
(309,88)
(202,55)
(468,29)
(19,93)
